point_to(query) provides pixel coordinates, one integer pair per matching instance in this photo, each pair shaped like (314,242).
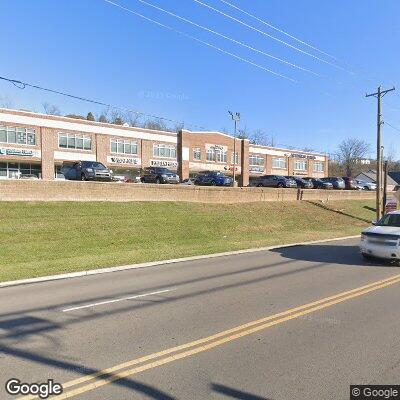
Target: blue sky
(93,49)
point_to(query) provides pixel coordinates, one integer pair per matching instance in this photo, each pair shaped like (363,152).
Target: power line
(271,36)
(229,38)
(394,127)
(278,29)
(202,42)
(22,85)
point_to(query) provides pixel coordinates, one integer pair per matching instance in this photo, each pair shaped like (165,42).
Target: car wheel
(366,188)
(83,177)
(279,185)
(213,183)
(260,185)
(158,181)
(367,257)
(142,180)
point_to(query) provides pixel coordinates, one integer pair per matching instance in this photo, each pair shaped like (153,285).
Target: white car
(383,239)
(365,185)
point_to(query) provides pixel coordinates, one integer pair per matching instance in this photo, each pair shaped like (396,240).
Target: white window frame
(197,153)
(301,165)
(279,163)
(27,131)
(256,160)
(319,166)
(76,136)
(163,148)
(235,158)
(211,154)
(221,156)
(124,143)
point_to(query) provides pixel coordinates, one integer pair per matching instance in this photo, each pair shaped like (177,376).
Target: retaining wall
(30,190)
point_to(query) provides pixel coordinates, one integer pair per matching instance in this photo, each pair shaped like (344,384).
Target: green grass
(49,238)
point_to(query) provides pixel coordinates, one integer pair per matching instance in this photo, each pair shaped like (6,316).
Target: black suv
(301,183)
(159,175)
(86,171)
(274,181)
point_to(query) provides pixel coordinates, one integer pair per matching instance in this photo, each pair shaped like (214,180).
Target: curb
(162,262)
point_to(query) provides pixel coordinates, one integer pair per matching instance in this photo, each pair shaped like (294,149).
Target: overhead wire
(243,44)
(22,85)
(278,29)
(271,36)
(202,42)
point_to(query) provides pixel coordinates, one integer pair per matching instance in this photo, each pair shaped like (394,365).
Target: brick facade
(186,152)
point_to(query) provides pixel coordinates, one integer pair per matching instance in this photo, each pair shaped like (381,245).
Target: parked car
(212,178)
(350,183)
(301,183)
(159,175)
(188,182)
(382,239)
(274,181)
(87,171)
(337,182)
(366,185)
(28,176)
(319,184)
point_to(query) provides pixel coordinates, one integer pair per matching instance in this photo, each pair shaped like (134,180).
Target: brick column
(244,163)
(183,154)
(48,139)
(102,143)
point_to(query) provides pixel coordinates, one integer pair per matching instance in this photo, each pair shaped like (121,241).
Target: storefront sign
(6,151)
(256,170)
(230,168)
(163,163)
(123,160)
(297,155)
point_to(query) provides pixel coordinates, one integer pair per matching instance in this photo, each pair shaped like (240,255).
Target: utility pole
(385,176)
(379,94)
(236,118)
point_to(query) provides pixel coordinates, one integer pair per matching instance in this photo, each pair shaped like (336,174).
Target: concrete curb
(162,262)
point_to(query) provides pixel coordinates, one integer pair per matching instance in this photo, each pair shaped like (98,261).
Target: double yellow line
(129,368)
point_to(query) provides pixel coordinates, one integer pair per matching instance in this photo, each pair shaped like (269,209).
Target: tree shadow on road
(234,393)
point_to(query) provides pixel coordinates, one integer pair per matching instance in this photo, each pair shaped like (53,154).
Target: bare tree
(157,124)
(6,102)
(51,109)
(261,138)
(133,119)
(242,133)
(350,153)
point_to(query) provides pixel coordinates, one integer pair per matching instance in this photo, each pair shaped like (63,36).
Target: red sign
(230,168)
(391,205)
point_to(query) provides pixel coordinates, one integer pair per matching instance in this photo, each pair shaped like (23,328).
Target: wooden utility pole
(379,94)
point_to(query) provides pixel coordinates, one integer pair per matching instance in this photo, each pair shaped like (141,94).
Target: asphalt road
(224,328)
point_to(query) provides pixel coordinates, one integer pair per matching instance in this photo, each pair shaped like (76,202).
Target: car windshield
(93,164)
(389,220)
(164,171)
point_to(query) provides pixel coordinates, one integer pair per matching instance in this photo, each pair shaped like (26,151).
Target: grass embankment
(50,238)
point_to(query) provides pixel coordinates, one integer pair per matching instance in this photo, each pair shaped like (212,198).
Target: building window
(14,170)
(14,135)
(255,159)
(164,150)
(300,165)
(318,166)
(196,153)
(210,155)
(221,155)
(123,146)
(74,141)
(235,158)
(279,162)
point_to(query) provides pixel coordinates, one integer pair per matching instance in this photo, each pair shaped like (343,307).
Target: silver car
(366,185)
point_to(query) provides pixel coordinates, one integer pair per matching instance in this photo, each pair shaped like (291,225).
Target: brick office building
(32,143)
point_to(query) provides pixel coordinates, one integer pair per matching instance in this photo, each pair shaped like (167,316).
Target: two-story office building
(38,144)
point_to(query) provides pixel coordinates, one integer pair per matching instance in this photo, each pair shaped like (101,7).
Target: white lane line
(116,300)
